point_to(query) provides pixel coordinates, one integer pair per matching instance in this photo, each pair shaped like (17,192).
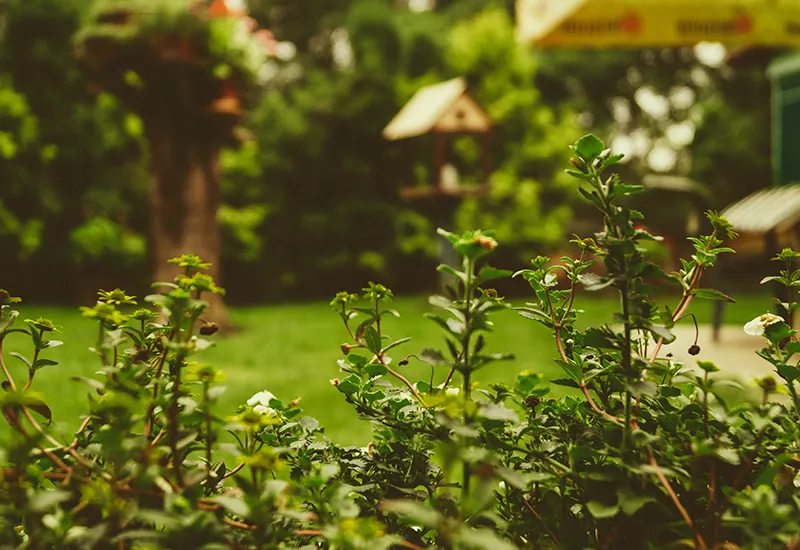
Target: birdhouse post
(442,111)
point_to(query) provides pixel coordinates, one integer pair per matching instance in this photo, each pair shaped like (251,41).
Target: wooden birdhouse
(443,110)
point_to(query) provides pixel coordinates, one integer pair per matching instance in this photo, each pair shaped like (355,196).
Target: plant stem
(209,434)
(467,368)
(671,492)
(6,372)
(537,516)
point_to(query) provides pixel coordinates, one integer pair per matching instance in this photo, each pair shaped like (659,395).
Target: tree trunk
(184,199)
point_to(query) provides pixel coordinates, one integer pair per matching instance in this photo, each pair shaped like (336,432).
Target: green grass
(292,350)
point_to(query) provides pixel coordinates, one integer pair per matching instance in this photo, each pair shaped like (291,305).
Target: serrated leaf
(40,363)
(348,386)
(602,511)
(413,511)
(625,189)
(7,319)
(45,500)
(375,369)
(712,294)
(483,539)
(660,331)
(372,340)
(593,282)
(498,412)
(788,372)
(396,343)
(578,175)
(630,502)
(21,358)
(589,147)
(612,159)
(233,505)
(729,455)
(490,274)
(444,268)
(432,357)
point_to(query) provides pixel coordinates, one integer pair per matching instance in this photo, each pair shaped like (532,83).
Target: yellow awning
(646,23)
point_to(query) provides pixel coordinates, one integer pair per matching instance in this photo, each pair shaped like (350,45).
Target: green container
(785,76)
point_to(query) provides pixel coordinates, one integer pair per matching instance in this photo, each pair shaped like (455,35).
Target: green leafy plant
(642,452)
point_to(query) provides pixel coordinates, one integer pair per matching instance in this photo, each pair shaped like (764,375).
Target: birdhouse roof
(444,107)
(766,210)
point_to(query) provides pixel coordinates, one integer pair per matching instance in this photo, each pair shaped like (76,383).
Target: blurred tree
(318,136)
(185,67)
(68,160)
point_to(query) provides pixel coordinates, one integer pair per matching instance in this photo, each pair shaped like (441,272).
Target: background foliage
(317,175)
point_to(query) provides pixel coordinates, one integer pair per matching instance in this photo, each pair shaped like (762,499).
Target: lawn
(292,350)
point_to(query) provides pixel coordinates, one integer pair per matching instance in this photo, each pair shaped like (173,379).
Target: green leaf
(492,411)
(413,511)
(602,511)
(482,539)
(349,385)
(572,370)
(612,160)
(624,189)
(729,455)
(788,372)
(792,347)
(45,500)
(778,331)
(7,319)
(44,363)
(526,381)
(579,175)
(630,502)
(642,388)
(708,366)
(21,358)
(589,147)
(396,343)
(444,268)
(373,340)
(233,505)
(712,294)
(661,331)
(593,282)
(432,357)
(375,369)
(490,274)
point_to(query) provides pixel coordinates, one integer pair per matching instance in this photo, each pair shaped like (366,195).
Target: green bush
(645,453)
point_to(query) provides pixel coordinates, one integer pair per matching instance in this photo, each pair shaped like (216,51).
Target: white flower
(756,326)
(449,391)
(260,403)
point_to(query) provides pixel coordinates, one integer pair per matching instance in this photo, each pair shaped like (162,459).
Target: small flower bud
(694,349)
(486,242)
(294,402)
(768,384)
(532,401)
(208,329)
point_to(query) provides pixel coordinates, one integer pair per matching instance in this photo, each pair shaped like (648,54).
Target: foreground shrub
(644,452)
